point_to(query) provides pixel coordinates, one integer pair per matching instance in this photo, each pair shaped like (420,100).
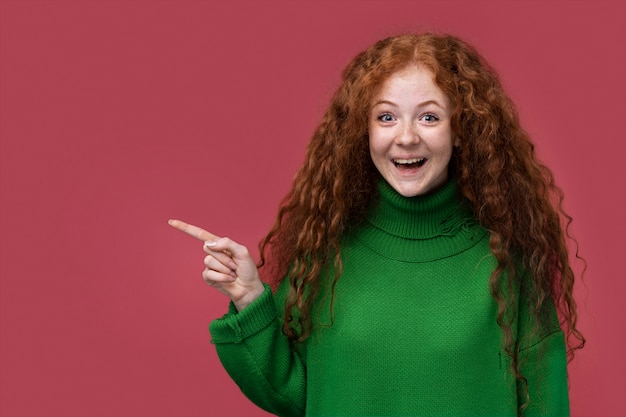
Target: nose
(408,134)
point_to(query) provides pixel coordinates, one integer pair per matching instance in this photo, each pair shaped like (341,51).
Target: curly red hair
(513,195)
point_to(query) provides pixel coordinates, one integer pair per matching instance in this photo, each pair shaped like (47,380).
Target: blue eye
(386,117)
(430,118)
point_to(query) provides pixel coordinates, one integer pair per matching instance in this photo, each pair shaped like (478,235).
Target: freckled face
(410,136)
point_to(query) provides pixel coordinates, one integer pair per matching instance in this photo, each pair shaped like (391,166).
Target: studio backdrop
(118,115)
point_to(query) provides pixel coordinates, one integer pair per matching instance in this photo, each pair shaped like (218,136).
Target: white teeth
(408,161)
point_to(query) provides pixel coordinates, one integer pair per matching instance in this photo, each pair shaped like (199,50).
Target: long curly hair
(513,195)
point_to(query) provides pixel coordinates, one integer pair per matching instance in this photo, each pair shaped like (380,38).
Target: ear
(457,141)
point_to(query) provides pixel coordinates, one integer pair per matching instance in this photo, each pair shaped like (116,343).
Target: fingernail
(209,244)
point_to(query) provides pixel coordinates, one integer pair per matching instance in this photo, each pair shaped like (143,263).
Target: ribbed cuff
(236,326)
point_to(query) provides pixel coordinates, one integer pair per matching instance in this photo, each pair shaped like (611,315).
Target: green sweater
(413,329)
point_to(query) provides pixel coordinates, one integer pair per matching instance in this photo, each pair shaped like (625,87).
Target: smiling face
(410,136)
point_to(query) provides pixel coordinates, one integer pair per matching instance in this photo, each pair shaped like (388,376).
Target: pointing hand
(228,265)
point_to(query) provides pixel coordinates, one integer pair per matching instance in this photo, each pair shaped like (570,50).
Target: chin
(410,191)
(417,190)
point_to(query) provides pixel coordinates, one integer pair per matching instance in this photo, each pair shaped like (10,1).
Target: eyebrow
(422,104)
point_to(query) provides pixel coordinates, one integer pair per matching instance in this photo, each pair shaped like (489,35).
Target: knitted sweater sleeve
(543,363)
(257,356)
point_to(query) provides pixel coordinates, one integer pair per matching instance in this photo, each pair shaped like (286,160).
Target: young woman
(420,256)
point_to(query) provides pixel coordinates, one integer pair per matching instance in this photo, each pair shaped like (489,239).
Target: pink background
(117,115)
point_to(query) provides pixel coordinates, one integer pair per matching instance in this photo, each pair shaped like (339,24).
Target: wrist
(249,297)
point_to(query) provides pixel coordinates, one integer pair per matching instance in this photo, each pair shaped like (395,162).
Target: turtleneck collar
(421,228)
(420,217)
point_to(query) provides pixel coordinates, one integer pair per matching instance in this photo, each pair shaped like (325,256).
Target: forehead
(411,81)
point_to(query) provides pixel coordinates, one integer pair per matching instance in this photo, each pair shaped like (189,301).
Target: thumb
(229,247)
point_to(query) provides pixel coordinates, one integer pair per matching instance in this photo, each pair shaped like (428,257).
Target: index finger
(192,230)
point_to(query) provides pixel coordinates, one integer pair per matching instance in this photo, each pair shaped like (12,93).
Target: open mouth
(409,163)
